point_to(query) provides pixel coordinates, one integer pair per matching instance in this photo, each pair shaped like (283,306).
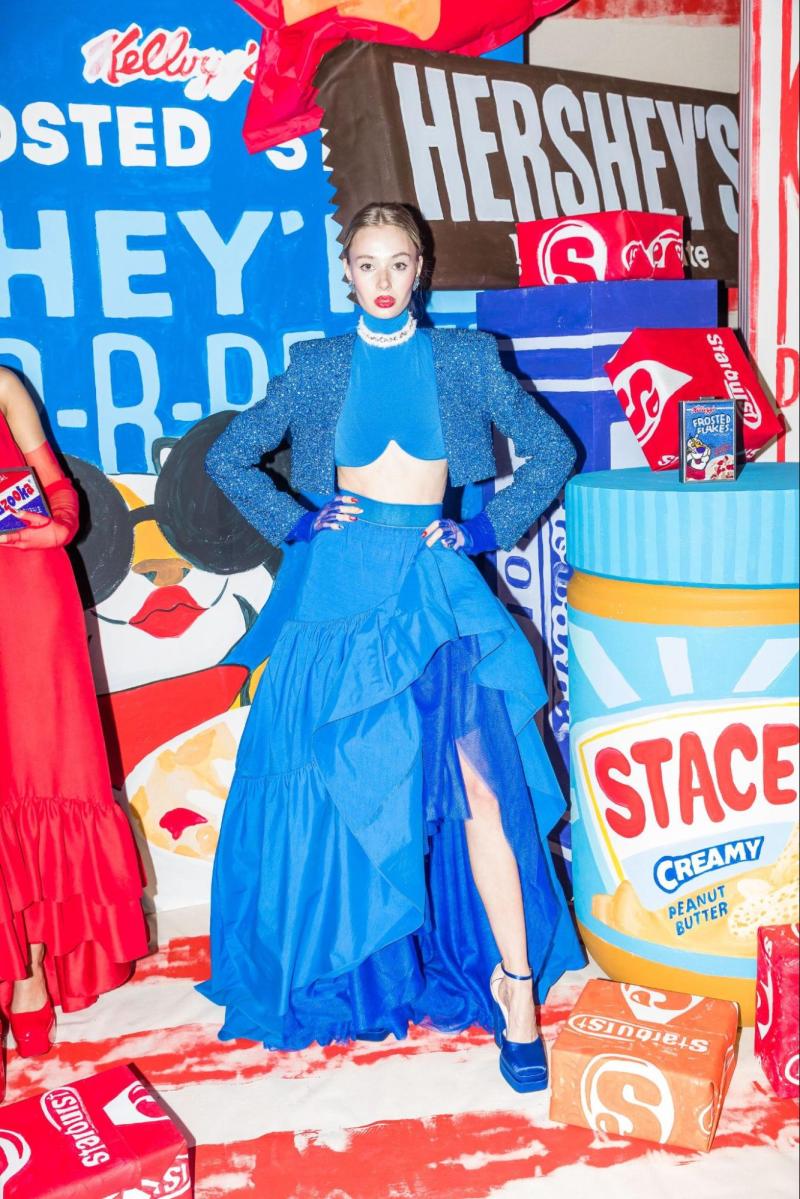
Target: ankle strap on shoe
(520,978)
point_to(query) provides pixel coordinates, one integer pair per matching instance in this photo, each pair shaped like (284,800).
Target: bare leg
(494,869)
(30,994)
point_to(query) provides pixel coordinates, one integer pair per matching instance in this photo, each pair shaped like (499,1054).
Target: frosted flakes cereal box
(709,441)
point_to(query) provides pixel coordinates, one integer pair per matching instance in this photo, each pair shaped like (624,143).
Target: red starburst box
(777,1040)
(103,1137)
(602,245)
(643,1063)
(654,369)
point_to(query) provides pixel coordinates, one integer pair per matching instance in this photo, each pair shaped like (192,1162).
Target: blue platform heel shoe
(522,1063)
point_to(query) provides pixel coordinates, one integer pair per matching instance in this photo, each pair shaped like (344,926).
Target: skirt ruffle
(71,879)
(343,903)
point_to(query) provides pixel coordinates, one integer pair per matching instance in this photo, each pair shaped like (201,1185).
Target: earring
(415,284)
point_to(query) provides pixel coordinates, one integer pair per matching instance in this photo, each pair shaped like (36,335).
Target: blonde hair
(399,215)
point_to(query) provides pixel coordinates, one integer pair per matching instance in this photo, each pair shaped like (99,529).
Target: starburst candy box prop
(602,245)
(654,369)
(104,1137)
(777,1040)
(641,1063)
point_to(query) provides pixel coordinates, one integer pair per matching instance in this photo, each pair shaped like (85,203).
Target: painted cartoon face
(172,576)
(167,616)
(699,455)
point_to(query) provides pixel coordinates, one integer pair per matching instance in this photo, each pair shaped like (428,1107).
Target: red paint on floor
(185,957)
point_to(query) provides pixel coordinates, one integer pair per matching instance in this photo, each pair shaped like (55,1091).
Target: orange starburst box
(642,1063)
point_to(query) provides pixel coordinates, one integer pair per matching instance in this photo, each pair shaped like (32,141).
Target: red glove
(47,532)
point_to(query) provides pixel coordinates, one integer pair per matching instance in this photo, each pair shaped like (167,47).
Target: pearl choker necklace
(384,341)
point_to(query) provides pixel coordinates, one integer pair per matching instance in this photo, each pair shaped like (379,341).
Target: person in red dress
(71,922)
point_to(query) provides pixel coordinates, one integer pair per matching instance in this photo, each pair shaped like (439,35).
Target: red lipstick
(385,301)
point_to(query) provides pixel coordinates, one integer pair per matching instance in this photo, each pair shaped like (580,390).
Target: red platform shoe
(31,1030)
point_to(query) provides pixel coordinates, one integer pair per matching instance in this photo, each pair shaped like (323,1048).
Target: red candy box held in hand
(777,1041)
(19,492)
(100,1138)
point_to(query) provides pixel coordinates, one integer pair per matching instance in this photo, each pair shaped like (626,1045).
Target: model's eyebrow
(399,254)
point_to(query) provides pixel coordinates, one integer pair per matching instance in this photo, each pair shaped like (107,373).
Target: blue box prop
(557,341)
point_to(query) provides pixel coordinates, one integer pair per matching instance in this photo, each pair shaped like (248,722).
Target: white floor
(427,1118)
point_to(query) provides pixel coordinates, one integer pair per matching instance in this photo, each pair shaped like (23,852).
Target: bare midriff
(396,477)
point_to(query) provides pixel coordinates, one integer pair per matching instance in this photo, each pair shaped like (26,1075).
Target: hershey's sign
(478,145)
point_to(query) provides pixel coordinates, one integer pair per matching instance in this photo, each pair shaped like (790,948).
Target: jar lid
(648,527)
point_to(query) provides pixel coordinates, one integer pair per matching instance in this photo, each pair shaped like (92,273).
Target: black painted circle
(102,552)
(197,519)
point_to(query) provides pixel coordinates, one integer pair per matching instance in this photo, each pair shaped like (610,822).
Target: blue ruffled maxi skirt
(343,903)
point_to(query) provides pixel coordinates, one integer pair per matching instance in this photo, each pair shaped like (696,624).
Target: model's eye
(401,266)
(365,266)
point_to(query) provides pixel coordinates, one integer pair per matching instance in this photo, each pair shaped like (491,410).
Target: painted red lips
(168,612)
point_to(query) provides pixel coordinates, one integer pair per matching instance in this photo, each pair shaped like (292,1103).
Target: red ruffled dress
(70,875)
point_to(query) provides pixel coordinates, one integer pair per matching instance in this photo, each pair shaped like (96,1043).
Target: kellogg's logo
(15,1153)
(65,1110)
(134,1105)
(117,57)
(572,252)
(627,1096)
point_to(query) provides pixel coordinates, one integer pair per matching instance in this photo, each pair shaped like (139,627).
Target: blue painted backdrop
(151,270)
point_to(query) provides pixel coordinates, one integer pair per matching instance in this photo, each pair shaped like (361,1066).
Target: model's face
(382,264)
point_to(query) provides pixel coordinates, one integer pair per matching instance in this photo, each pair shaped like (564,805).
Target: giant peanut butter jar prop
(683,680)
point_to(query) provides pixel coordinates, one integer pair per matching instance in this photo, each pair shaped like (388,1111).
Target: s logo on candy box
(627,1095)
(656,1006)
(15,1153)
(134,1105)
(646,398)
(717,785)
(563,251)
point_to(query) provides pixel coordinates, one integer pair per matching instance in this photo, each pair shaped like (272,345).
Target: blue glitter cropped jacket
(475,392)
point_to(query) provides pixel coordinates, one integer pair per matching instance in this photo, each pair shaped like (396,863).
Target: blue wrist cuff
(303,529)
(480,533)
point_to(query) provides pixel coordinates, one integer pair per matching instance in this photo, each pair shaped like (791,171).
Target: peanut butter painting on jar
(684,738)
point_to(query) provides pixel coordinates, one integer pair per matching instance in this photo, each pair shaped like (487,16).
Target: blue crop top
(391,396)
